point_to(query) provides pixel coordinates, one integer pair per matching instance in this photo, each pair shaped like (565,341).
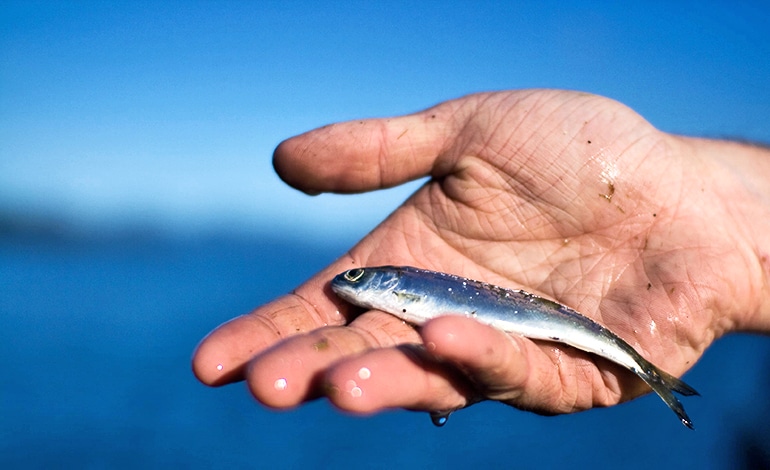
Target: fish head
(365,287)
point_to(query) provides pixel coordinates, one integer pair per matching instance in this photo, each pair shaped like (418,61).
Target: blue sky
(166,113)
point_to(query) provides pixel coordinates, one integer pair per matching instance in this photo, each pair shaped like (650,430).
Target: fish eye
(354,275)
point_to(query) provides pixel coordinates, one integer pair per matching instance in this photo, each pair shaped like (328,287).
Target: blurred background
(139,209)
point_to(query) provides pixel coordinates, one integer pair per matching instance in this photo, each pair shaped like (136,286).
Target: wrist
(738,178)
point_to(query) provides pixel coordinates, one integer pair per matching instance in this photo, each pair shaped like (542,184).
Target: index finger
(222,356)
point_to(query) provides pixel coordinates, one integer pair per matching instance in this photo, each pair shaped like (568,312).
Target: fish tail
(676,384)
(664,385)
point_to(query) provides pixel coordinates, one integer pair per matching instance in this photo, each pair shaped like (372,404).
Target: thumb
(370,154)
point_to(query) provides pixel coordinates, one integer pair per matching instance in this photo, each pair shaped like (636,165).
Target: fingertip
(276,383)
(391,378)
(213,366)
(288,374)
(222,356)
(284,157)
(456,334)
(491,356)
(363,155)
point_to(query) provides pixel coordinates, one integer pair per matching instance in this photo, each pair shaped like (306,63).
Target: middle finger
(291,372)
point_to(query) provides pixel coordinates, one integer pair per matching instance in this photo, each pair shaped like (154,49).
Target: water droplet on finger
(364,373)
(280,384)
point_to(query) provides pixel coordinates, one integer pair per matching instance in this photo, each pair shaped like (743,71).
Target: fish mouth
(341,286)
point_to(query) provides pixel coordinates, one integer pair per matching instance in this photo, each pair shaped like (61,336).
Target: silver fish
(417,295)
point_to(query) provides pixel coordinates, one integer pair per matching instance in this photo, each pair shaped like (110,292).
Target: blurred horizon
(126,114)
(139,209)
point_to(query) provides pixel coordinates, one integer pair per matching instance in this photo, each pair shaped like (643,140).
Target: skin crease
(663,239)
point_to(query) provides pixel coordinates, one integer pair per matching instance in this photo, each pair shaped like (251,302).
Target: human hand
(567,195)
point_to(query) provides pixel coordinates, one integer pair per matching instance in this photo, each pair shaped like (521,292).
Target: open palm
(567,195)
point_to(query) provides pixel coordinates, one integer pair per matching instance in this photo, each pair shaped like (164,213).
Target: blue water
(95,341)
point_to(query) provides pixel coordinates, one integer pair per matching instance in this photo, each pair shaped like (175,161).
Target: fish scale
(418,295)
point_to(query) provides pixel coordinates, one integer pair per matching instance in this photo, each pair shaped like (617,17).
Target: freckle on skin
(330,390)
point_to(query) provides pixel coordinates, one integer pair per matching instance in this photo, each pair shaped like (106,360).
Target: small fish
(417,295)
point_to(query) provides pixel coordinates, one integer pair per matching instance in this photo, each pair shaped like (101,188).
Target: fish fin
(665,385)
(677,385)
